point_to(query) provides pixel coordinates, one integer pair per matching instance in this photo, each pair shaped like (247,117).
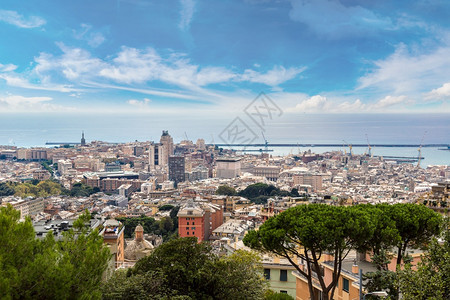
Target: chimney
(355,268)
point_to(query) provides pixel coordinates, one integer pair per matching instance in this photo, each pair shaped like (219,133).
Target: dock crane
(419,158)
(349,147)
(370,147)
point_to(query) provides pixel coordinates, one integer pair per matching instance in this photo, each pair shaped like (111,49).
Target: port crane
(419,158)
(349,147)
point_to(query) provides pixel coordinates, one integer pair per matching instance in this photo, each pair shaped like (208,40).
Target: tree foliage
(319,229)
(415,224)
(185,269)
(431,279)
(271,295)
(80,189)
(6,189)
(167,227)
(166,207)
(398,227)
(30,268)
(45,188)
(260,192)
(36,188)
(225,190)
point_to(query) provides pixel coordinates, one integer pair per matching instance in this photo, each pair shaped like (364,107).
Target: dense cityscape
(143,194)
(225,150)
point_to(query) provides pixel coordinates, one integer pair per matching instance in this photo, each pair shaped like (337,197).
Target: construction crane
(266,143)
(370,147)
(419,158)
(349,147)
(185,134)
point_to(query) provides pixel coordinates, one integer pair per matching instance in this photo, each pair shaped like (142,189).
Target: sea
(35,129)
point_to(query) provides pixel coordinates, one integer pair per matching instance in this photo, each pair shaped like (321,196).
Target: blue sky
(213,57)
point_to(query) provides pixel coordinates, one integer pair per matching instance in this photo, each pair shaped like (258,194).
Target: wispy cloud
(332,19)
(16,80)
(186,13)
(93,38)
(274,77)
(18,103)
(135,69)
(13,18)
(7,68)
(409,72)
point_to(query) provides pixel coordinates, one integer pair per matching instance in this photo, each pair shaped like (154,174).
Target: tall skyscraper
(166,143)
(159,153)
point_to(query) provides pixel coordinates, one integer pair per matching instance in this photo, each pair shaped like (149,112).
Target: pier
(337,145)
(62,143)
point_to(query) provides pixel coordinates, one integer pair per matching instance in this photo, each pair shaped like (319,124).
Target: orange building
(199,219)
(348,286)
(113,236)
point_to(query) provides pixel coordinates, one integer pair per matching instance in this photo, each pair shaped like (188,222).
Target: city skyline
(213,58)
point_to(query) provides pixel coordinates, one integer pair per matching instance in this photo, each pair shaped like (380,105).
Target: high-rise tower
(159,152)
(83,141)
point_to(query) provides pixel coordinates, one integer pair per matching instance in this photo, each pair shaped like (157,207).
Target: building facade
(199,219)
(228,167)
(176,169)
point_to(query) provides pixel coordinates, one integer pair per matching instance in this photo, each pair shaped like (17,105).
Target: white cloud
(332,19)
(13,18)
(186,14)
(314,104)
(85,33)
(144,104)
(138,66)
(7,68)
(321,104)
(388,101)
(74,63)
(440,93)
(274,77)
(29,104)
(404,72)
(133,70)
(18,81)
(132,66)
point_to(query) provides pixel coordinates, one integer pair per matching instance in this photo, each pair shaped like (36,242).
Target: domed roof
(136,250)
(139,228)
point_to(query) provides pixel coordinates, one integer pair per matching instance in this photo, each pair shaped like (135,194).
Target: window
(193,223)
(283,275)
(267,274)
(187,232)
(193,228)
(193,233)
(283,292)
(346,284)
(187,219)
(187,223)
